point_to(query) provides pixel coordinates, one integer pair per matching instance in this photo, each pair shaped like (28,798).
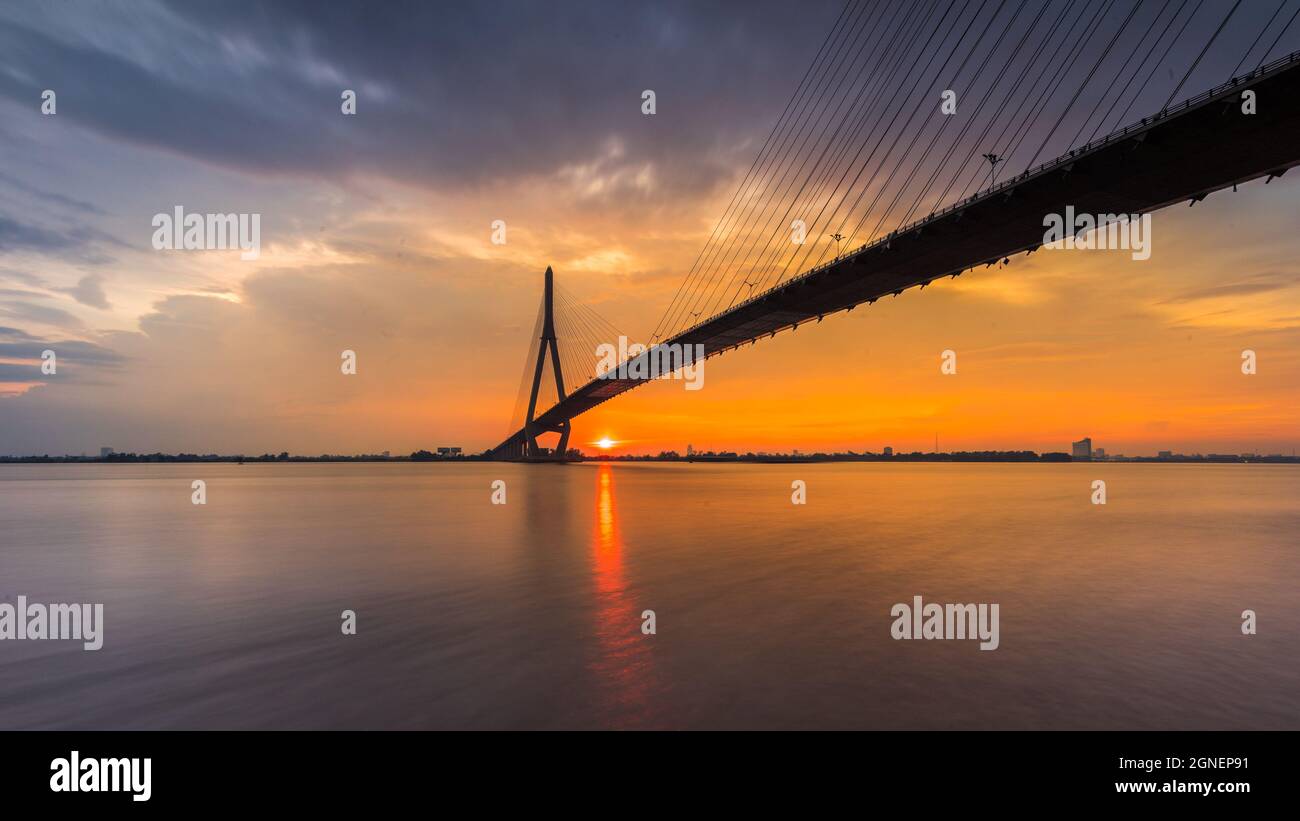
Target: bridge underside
(1205,146)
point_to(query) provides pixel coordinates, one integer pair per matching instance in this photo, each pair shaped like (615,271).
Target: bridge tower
(548,343)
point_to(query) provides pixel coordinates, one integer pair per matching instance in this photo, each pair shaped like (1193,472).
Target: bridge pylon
(526,447)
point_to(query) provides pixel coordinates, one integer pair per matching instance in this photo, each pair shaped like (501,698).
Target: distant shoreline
(1020,457)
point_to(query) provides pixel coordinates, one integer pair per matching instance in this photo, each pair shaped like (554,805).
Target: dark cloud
(49,196)
(17,236)
(459,94)
(74,350)
(72,355)
(77,243)
(20,374)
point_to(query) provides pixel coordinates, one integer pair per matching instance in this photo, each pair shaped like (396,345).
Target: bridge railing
(1132,128)
(1068,157)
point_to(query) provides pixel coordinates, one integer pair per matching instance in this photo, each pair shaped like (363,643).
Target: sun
(605,444)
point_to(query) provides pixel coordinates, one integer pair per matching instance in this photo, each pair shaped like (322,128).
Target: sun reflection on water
(624,661)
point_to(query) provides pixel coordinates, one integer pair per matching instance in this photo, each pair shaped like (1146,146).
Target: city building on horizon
(1081,451)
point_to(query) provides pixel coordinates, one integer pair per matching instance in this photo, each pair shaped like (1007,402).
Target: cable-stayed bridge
(865,141)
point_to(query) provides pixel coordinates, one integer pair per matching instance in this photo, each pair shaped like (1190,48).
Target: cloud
(20,374)
(376,226)
(206,373)
(49,196)
(22,293)
(42,314)
(69,350)
(1258,284)
(79,363)
(78,243)
(256,87)
(19,276)
(89,290)
(16,236)
(14,333)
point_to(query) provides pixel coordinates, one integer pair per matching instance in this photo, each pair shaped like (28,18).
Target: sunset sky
(376,237)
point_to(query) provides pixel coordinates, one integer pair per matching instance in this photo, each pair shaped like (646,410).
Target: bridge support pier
(532,429)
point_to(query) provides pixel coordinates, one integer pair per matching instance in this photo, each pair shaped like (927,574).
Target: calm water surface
(769,615)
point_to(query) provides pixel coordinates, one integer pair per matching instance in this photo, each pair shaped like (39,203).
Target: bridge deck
(1202,145)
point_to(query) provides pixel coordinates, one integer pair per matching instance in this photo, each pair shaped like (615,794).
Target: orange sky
(1139,355)
(229,356)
